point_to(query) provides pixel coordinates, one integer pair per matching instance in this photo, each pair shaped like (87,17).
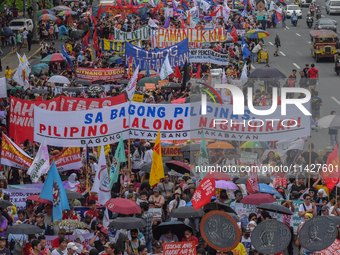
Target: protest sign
(138,98)
(187,248)
(19,196)
(107,74)
(163,45)
(150,86)
(87,239)
(68,159)
(295,217)
(193,35)
(118,47)
(280,182)
(142,121)
(142,34)
(243,211)
(162,82)
(178,55)
(248,157)
(207,55)
(171,151)
(156,213)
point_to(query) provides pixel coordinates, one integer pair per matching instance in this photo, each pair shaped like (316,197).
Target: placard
(187,248)
(162,82)
(280,182)
(156,213)
(138,98)
(118,47)
(248,157)
(150,86)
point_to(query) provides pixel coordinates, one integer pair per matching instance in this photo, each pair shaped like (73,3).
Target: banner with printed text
(68,159)
(141,34)
(19,196)
(116,10)
(118,47)
(163,45)
(142,121)
(178,54)
(193,35)
(210,56)
(107,74)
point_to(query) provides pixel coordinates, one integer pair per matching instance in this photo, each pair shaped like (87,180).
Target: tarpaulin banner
(21,116)
(118,47)
(194,35)
(207,55)
(87,239)
(13,155)
(142,34)
(107,74)
(171,151)
(178,54)
(115,10)
(19,196)
(71,91)
(68,159)
(188,248)
(163,45)
(142,121)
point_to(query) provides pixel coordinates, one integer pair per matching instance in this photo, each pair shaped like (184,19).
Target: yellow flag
(106,149)
(262,89)
(157,170)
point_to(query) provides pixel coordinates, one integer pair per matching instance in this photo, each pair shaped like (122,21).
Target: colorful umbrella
(53,58)
(37,199)
(225,185)
(264,188)
(217,176)
(45,11)
(256,34)
(41,65)
(66,13)
(220,145)
(46,17)
(261,145)
(61,8)
(257,199)
(178,101)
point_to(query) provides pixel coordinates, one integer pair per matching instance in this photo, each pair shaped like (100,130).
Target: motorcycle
(309,21)
(294,20)
(337,67)
(318,14)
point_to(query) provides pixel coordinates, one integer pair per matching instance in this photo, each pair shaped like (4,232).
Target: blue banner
(153,60)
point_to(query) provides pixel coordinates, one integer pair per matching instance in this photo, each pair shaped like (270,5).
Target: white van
(333,7)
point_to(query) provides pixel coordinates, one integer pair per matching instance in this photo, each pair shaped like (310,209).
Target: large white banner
(19,196)
(207,55)
(142,34)
(184,121)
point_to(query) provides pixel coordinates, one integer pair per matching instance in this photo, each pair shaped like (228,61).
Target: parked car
(20,24)
(333,7)
(325,24)
(291,8)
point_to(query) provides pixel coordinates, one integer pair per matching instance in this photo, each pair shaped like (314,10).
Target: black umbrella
(5,204)
(177,228)
(8,32)
(38,91)
(82,82)
(187,212)
(190,147)
(178,166)
(77,34)
(271,207)
(218,206)
(267,72)
(171,85)
(261,179)
(95,90)
(193,98)
(100,82)
(24,229)
(123,82)
(127,223)
(146,167)
(72,195)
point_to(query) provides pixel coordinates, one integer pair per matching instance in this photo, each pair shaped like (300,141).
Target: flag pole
(33,149)
(129,160)
(310,159)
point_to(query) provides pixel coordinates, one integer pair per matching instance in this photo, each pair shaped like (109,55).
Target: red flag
(203,193)
(264,102)
(123,16)
(198,74)
(233,34)
(287,219)
(278,16)
(99,11)
(86,39)
(95,40)
(253,182)
(214,12)
(330,174)
(183,24)
(178,73)
(86,15)
(155,9)
(94,20)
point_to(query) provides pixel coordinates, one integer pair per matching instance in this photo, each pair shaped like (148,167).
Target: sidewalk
(11,59)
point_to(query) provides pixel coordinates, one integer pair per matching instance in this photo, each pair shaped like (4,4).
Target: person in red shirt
(93,210)
(82,188)
(189,237)
(313,75)
(55,242)
(93,196)
(69,215)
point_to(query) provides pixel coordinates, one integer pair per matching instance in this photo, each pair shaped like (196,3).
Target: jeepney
(323,44)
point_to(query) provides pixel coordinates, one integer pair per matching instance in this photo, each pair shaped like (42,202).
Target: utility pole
(35,31)
(24,8)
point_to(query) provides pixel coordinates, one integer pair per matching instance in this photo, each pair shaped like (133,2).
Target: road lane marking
(287,27)
(297,34)
(271,43)
(296,66)
(253,67)
(299,53)
(336,100)
(323,16)
(282,53)
(309,42)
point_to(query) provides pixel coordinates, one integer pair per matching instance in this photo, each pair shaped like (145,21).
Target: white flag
(151,3)
(25,59)
(204,6)
(41,163)
(166,69)
(101,183)
(224,78)
(285,145)
(21,76)
(106,218)
(244,75)
(131,87)
(152,23)
(273,6)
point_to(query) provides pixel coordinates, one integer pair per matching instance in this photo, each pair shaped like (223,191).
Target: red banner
(187,248)
(69,158)
(253,183)
(81,104)
(331,174)
(203,193)
(280,182)
(107,74)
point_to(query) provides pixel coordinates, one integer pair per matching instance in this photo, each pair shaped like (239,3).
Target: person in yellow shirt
(321,184)
(239,250)
(69,47)
(8,74)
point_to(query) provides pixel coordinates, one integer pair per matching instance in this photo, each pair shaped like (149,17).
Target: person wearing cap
(99,220)
(325,210)
(102,239)
(148,153)
(137,157)
(111,249)
(245,240)
(176,203)
(321,200)
(71,248)
(61,249)
(157,248)
(131,187)
(157,198)
(61,234)
(69,215)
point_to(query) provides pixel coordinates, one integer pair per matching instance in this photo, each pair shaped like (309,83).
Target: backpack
(315,104)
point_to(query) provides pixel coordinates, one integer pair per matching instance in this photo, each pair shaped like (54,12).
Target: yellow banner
(138,98)
(118,47)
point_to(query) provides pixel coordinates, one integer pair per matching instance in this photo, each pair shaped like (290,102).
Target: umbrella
(190,147)
(95,89)
(179,101)
(193,98)
(218,176)
(146,167)
(272,207)
(61,8)
(264,188)
(267,72)
(127,223)
(186,212)
(41,65)
(261,179)
(53,58)
(59,79)
(39,91)
(218,206)
(83,20)
(256,34)
(257,199)
(329,121)
(171,85)
(8,32)
(66,13)
(36,70)
(220,145)
(250,144)
(177,228)
(46,17)
(235,217)
(77,34)
(69,224)
(15,89)
(26,229)
(45,11)
(225,185)
(116,60)
(72,194)
(5,204)
(82,82)
(123,206)
(178,166)
(100,82)
(141,82)
(123,82)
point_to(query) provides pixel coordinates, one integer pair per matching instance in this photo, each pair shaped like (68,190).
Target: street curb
(35,53)
(2,59)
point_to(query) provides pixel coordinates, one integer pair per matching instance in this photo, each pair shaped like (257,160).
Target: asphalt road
(294,54)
